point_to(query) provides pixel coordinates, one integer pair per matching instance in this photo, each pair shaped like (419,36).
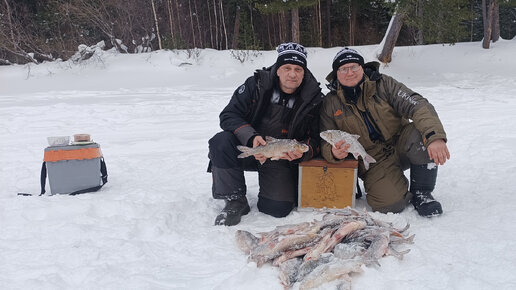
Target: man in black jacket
(283,102)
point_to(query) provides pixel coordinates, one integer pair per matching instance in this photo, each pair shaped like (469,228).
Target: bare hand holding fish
(337,137)
(258,141)
(340,150)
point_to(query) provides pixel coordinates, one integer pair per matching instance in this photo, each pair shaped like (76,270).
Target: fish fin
(270,139)
(355,136)
(399,255)
(246,151)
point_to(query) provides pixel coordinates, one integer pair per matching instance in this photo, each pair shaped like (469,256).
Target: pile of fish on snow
(314,253)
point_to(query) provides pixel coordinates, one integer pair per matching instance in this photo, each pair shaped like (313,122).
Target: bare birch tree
(223,23)
(156,24)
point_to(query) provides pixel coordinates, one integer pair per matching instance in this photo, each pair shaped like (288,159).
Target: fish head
(300,147)
(330,136)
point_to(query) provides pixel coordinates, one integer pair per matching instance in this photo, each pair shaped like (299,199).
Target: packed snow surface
(151,226)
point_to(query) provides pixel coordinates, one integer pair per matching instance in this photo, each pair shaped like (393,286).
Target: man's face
(290,76)
(350,74)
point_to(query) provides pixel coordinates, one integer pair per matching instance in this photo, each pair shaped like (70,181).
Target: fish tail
(246,151)
(367,160)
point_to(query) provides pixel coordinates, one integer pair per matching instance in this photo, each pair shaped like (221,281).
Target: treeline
(39,30)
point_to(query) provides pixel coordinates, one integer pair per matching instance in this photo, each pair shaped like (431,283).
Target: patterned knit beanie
(292,53)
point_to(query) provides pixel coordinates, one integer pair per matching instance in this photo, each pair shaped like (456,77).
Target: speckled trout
(274,149)
(334,136)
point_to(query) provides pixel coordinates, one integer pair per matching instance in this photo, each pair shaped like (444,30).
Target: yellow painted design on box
(327,187)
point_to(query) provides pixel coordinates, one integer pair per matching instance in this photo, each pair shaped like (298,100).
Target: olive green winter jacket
(390,104)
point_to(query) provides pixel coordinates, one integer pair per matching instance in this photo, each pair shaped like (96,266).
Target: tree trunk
(191,23)
(284,25)
(495,22)
(295,24)
(236,29)
(419,34)
(216,25)
(280,28)
(489,28)
(320,23)
(268,17)
(223,23)
(209,18)
(472,3)
(252,26)
(275,33)
(329,42)
(484,16)
(171,22)
(198,25)
(352,20)
(179,22)
(156,24)
(391,38)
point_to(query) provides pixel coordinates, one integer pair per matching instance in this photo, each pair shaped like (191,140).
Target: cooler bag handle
(103,170)
(104,177)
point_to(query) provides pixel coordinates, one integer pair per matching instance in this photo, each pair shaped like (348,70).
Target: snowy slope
(151,227)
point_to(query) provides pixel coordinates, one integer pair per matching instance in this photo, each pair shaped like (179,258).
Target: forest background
(45,30)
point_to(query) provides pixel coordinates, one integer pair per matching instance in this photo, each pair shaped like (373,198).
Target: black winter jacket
(247,105)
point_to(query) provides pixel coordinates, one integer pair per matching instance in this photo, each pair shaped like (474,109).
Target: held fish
(334,136)
(274,149)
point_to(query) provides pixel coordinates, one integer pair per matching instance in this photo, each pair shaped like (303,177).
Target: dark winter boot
(233,212)
(422,183)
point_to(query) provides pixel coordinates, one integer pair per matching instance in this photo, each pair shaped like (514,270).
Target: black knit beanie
(346,55)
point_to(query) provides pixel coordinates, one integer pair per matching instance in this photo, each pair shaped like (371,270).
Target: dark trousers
(277,179)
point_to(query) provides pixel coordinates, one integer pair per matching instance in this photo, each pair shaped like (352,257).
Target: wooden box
(327,185)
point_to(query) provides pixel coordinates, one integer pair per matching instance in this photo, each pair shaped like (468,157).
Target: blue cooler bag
(73,169)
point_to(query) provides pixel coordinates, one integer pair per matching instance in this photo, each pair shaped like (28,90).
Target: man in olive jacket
(282,101)
(397,127)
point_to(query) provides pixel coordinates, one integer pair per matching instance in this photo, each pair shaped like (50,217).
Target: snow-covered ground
(151,226)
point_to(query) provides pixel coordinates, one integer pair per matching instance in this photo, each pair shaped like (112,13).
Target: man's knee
(222,150)
(222,141)
(386,188)
(274,208)
(411,147)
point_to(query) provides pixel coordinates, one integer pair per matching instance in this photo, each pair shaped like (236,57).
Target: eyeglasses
(344,70)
